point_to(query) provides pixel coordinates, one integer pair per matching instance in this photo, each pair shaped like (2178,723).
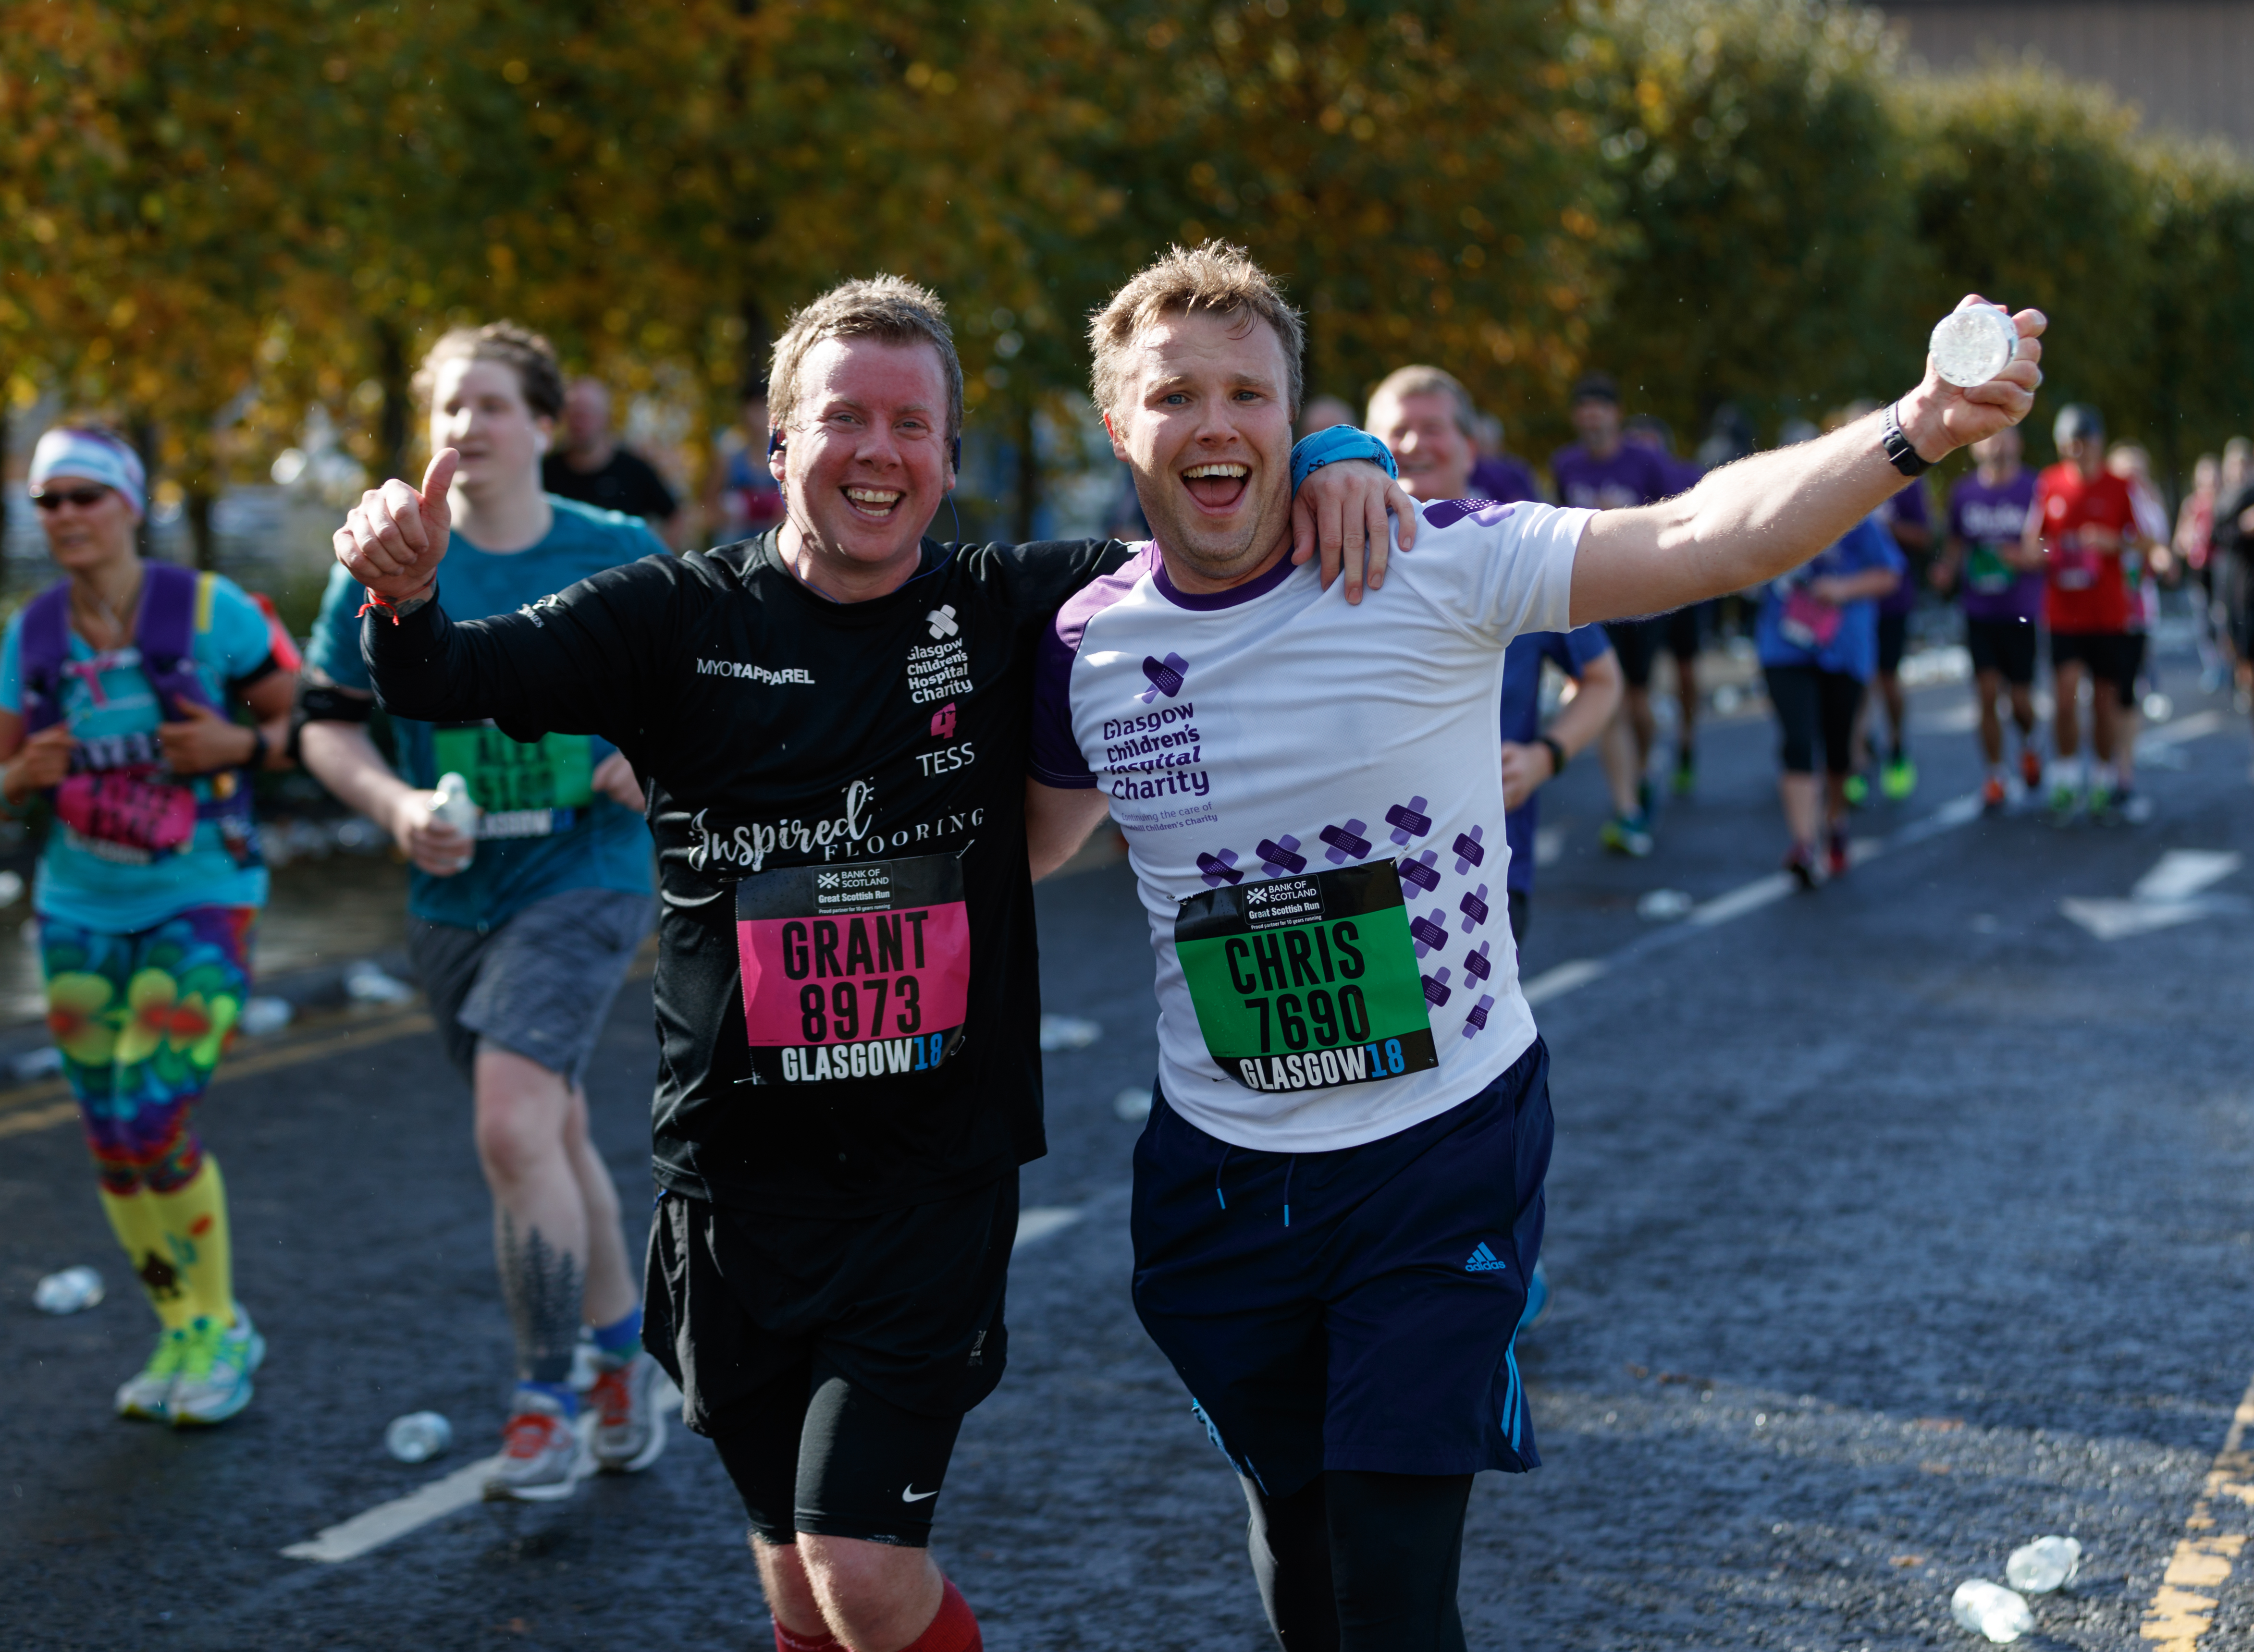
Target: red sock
(953,1630)
(787,1640)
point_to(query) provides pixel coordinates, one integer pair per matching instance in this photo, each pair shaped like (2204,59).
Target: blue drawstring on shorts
(1217,1169)
(1290,1165)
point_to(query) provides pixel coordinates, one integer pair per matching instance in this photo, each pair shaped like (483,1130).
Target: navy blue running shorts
(1352,1310)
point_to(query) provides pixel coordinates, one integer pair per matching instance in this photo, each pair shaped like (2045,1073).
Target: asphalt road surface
(1891,1226)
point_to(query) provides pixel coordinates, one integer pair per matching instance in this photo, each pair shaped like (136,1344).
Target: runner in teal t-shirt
(524,933)
(114,685)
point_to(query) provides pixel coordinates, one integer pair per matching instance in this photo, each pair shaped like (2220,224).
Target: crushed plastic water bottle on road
(73,1291)
(2046,1563)
(366,983)
(1664,905)
(1069,1033)
(1990,1609)
(263,1016)
(417,1437)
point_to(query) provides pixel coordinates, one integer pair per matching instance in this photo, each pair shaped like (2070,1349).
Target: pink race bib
(857,972)
(128,810)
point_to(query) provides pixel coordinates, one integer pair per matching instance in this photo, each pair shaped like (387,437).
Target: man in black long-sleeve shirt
(832,722)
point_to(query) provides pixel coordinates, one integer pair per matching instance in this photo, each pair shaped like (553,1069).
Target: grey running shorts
(540,984)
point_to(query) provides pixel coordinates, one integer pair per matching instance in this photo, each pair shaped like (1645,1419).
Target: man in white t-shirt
(1338,1198)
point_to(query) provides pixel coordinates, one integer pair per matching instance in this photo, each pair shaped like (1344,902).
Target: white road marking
(441,1497)
(1037,1222)
(1767,891)
(2184,728)
(1555,983)
(397,1518)
(2171,893)
(2182,873)
(1743,898)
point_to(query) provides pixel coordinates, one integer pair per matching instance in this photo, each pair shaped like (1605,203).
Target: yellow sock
(197,1250)
(140,1228)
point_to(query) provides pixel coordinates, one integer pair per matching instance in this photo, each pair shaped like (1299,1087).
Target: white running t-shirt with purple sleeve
(1312,795)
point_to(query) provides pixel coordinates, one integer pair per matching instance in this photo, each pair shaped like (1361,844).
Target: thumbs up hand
(393,539)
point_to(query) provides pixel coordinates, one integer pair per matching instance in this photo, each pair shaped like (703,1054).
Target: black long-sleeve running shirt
(837,794)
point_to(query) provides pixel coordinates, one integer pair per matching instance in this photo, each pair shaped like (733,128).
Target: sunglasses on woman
(84,498)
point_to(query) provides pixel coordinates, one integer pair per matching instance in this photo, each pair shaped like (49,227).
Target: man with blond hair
(1338,1195)
(831,720)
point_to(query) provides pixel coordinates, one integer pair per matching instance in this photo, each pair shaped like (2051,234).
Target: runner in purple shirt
(2002,585)
(1602,472)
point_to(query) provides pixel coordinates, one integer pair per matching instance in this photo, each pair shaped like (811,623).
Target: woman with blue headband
(114,687)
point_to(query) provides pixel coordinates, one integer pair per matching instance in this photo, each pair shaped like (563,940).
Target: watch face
(1972,346)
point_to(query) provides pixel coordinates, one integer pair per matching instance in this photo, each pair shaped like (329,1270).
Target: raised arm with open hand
(1750,522)
(393,539)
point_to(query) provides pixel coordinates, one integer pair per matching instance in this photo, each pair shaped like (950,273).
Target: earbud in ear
(775,442)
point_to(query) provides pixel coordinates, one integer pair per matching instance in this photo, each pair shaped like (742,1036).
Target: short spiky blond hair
(1214,277)
(891,308)
(1403,382)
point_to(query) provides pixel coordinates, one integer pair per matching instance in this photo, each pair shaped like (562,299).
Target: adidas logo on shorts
(1484,1261)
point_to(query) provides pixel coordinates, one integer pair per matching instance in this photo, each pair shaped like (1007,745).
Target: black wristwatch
(259,748)
(1904,458)
(1557,755)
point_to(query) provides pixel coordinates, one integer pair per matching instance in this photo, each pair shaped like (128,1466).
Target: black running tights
(1361,1562)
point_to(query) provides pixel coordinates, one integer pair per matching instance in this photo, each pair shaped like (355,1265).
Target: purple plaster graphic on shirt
(1436,988)
(1165,677)
(1408,820)
(1473,906)
(1217,869)
(1478,965)
(1470,849)
(1446,512)
(1347,843)
(1430,932)
(1475,1023)
(1281,856)
(1418,870)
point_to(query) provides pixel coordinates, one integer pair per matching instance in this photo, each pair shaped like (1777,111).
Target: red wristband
(375,601)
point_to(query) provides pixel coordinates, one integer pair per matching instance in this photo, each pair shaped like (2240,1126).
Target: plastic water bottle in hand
(418,1437)
(451,805)
(69,1292)
(2045,1565)
(1990,1609)
(1973,345)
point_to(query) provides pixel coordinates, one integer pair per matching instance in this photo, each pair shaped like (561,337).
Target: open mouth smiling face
(1217,486)
(873,504)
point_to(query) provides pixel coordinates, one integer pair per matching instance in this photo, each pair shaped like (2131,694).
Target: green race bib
(1306,983)
(1986,571)
(526,789)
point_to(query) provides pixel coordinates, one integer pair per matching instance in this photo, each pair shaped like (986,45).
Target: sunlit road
(1891,1226)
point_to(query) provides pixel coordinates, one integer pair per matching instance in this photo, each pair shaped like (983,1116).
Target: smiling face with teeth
(864,464)
(1204,420)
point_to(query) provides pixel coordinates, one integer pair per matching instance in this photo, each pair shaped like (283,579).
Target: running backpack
(123,800)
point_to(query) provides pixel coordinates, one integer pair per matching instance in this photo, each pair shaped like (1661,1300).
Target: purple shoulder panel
(1056,758)
(1446,512)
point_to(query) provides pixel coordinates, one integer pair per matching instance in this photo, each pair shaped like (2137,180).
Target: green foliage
(1759,177)
(1416,173)
(211,215)
(2028,191)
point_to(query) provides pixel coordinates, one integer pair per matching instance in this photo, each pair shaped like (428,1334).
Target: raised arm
(1750,522)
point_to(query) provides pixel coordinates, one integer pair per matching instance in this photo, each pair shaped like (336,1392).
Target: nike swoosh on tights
(912,1495)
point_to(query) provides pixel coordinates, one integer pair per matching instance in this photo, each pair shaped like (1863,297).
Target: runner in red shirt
(2083,520)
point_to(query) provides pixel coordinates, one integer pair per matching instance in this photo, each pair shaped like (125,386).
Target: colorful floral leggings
(141,1019)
